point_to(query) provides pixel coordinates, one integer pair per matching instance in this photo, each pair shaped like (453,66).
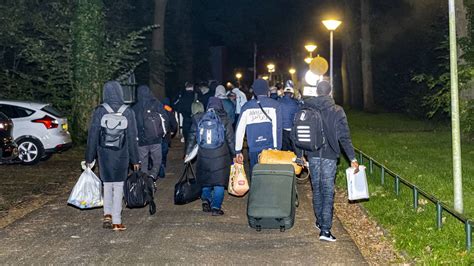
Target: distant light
(311,78)
(271,67)
(308,60)
(331,24)
(292,71)
(238,75)
(265,77)
(310,47)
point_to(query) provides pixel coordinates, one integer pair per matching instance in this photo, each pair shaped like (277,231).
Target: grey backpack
(112,128)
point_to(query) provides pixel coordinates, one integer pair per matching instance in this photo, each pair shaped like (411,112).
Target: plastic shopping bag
(87,193)
(238,184)
(357,184)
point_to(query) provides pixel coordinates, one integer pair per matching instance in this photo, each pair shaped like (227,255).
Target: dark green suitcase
(272,197)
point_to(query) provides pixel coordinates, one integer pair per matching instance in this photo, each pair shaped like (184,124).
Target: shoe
(107,221)
(217,212)
(119,227)
(317,226)
(327,236)
(206,206)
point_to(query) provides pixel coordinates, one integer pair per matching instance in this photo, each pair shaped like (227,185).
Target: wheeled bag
(272,197)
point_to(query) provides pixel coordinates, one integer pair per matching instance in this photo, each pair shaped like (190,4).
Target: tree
(367,82)
(157,64)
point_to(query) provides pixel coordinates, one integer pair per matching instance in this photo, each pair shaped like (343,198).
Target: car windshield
(51,110)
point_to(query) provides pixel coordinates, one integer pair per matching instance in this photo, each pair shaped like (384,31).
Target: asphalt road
(60,234)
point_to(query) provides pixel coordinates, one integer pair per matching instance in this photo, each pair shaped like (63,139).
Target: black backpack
(154,125)
(308,130)
(138,191)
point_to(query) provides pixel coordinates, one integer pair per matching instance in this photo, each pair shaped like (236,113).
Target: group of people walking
(218,119)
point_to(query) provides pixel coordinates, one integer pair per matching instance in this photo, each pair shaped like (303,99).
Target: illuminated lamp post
(331,25)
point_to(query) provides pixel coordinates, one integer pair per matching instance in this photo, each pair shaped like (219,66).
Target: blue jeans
(215,195)
(253,157)
(323,190)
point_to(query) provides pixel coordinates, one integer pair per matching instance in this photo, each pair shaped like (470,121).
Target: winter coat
(146,102)
(289,107)
(213,165)
(183,106)
(336,128)
(241,99)
(172,120)
(261,132)
(113,164)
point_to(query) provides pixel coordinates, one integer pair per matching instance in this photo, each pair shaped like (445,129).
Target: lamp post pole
(331,44)
(456,135)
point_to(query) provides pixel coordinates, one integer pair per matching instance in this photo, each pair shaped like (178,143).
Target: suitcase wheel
(282,229)
(258,228)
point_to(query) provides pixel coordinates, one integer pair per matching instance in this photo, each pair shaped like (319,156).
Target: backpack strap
(108,108)
(122,109)
(261,108)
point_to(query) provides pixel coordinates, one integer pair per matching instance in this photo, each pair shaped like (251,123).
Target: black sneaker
(317,226)
(327,236)
(217,212)
(206,206)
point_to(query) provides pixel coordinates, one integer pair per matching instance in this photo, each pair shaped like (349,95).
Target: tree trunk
(157,60)
(367,83)
(88,31)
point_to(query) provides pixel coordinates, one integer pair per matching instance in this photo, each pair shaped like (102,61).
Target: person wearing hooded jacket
(323,163)
(229,106)
(213,164)
(183,104)
(113,164)
(149,147)
(289,107)
(262,127)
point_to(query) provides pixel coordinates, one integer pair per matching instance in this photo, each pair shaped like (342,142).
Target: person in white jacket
(240,99)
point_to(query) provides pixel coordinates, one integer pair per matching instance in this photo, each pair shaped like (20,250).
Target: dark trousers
(164,153)
(287,143)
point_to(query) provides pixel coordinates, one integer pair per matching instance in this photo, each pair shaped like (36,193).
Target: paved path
(59,234)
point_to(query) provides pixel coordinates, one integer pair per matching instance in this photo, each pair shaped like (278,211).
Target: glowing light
(308,60)
(292,71)
(310,47)
(331,24)
(265,77)
(238,75)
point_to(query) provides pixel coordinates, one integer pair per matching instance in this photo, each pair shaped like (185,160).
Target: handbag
(187,189)
(238,183)
(279,157)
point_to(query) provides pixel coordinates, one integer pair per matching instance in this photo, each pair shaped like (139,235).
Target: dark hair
(324,88)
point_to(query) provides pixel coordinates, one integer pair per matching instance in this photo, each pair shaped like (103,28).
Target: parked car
(8,147)
(39,129)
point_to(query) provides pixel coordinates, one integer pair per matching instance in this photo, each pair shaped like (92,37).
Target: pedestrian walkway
(60,234)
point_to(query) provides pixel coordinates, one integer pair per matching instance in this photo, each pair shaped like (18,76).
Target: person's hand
(89,165)
(136,167)
(355,165)
(239,158)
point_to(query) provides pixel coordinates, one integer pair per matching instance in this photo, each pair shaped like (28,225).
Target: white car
(39,129)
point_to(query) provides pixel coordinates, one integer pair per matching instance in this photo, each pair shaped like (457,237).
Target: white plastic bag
(87,193)
(357,187)
(238,184)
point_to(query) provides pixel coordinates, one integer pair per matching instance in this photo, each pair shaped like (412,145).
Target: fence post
(361,158)
(439,215)
(468,228)
(397,185)
(371,166)
(382,177)
(415,198)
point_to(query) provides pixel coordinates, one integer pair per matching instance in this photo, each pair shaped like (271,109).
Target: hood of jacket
(215,103)
(321,102)
(144,96)
(113,94)
(220,92)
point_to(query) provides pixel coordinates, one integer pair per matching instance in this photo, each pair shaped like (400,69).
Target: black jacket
(146,101)
(213,166)
(113,164)
(335,127)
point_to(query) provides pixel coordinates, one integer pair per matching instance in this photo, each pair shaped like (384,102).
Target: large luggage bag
(272,197)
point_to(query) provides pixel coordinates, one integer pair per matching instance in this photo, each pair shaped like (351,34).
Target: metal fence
(440,206)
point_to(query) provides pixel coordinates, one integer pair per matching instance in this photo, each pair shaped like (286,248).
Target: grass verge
(420,152)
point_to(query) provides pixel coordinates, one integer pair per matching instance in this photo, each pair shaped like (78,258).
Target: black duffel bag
(187,189)
(138,191)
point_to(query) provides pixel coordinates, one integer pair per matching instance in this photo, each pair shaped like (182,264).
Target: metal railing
(440,206)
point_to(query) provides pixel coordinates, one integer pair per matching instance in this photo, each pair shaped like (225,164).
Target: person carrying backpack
(261,121)
(152,125)
(319,127)
(213,132)
(229,106)
(289,107)
(112,139)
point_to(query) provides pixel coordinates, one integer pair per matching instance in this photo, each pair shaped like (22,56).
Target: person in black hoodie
(166,144)
(323,163)
(213,165)
(113,164)
(148,110)
(182,105)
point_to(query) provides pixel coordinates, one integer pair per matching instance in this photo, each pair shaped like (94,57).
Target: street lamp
(310,47)
(238,75)
(292,71)
(331,25)
(265,77)
(271,69)
(308,60)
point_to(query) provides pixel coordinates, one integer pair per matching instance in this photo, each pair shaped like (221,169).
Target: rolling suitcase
(272,197)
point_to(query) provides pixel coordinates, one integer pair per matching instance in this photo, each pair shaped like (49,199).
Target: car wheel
(30,151)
